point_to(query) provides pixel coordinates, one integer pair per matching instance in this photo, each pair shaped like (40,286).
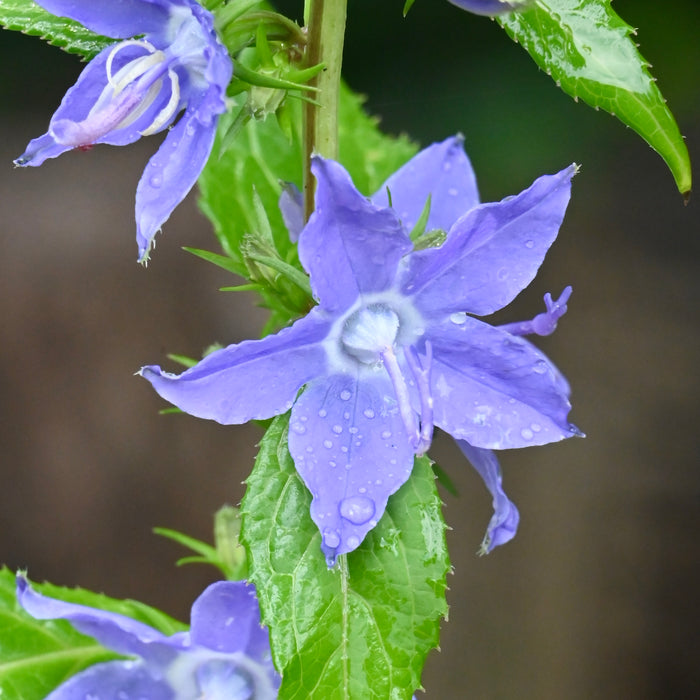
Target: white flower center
(369,332)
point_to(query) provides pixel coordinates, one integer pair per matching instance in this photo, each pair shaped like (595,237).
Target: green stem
(325,21)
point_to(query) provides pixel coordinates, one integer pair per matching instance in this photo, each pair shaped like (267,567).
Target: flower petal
(170,175)
(504,523)
(226,618)
(492,253)
(493,389)
(117,632)
(492,7)
(349,246)
(443,173)
(350,447)
(113,680)
(119,20)
(291,204)
(252,380)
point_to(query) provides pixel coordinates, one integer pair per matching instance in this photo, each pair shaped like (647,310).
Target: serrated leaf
(587,49)
(27,17)
(38,655)
(363,629)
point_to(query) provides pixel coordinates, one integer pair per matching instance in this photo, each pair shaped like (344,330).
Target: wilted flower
(492,7)
(137,87)
(390,351)
(225,654)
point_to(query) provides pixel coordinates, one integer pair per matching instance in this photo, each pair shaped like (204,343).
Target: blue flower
(390,350)
(137,87)
(492,7)
(224,656)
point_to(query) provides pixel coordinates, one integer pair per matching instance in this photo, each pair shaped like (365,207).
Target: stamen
(544,323)
(146,102)
(408,415)
(121,45)
(422,377)
(135,69)
(166,114)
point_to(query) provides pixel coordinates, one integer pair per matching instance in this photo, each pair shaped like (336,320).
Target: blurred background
(597,597)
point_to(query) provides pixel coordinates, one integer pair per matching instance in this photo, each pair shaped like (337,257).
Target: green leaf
(361,630)
(587,49)
(38,655)
(27,17)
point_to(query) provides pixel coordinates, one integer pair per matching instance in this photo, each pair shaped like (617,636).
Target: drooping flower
(137,87)
(492,7)
(224,656)
(390,351)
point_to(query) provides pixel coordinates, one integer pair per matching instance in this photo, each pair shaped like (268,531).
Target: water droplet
(447,166)
(322,413)
(357,509)
(352,430)
(368,413)
(386,434)
(502,274)
(337,429)
(327,444)
(536,427)
(331,538)
(156,180)
(345,395)
(344,448)
(353,541)
(332,464)
(452,192)
(459,318)
(526,433)
(298,428)
(362,489)
(530,244)
(540,367)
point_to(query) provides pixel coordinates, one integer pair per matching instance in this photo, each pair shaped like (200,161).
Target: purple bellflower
(492,7)
(390,351)
(137,87)
(224,656)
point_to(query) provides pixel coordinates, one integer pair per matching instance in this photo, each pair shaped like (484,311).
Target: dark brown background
(598,595)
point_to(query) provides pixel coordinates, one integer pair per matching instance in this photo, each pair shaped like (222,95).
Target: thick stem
(326,32)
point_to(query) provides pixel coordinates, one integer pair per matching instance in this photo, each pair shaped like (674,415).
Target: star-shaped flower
(390,350)
(224,656)
(137,87)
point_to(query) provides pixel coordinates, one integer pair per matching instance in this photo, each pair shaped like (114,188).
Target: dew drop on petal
(386,434)
(298,428)
(540,367)
(322,413)
(353,541)
(368,413)
(452,192)
(459,318)
(530,244)
(353,430)
(327,444)
(536,427)
(337,429)
(526,433)
(345,395)
(331,538)
(156,181)
(357,509)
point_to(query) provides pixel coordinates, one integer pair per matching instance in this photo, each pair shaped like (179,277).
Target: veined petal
(443,173)
(492,7)
(504,523)
(492,253)
(349,246)
(252,380)
(117,632)
(117,19)
(350,447)
(113,680)
(170,175)
(493,389)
